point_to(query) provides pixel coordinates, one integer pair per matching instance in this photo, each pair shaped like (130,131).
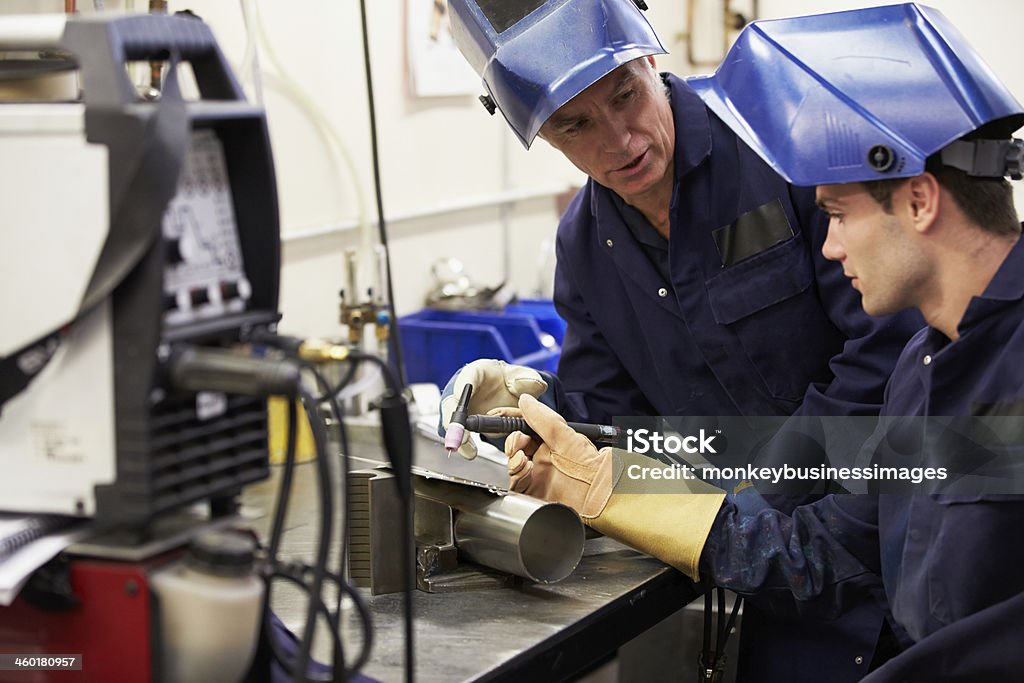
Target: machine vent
(169,458)
(193,459)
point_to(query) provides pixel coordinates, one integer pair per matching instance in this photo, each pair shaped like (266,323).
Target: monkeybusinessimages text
(645,441)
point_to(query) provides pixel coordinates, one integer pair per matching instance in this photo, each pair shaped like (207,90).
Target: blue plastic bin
(436,343)
(543,311)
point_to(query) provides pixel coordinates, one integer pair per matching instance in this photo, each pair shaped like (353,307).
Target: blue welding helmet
(536,55)
(864,95)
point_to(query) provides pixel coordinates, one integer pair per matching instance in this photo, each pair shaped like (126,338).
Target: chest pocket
(762,300)
(761,281)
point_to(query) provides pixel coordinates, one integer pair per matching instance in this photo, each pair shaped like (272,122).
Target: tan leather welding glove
(496,384)
(667,518)
(565,468)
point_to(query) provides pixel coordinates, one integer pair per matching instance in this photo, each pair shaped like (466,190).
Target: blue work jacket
(950,563)
(777,331)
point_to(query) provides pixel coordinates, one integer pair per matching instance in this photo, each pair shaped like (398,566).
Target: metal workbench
(526,632)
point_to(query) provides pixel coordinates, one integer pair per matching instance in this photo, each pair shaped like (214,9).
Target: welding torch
(501,425)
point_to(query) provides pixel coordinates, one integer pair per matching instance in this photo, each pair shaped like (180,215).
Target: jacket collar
(1006,287)
(693,130)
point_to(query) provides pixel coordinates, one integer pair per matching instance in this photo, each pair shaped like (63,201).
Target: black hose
(326,520)
(394,341)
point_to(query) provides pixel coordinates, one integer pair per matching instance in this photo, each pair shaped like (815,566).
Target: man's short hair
(987,202)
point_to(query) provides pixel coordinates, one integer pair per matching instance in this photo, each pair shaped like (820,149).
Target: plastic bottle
(209,610)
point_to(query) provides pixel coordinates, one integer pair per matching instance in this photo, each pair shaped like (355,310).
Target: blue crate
(435,343)
(543,311)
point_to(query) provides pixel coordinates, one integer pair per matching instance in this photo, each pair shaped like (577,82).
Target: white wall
(439,153)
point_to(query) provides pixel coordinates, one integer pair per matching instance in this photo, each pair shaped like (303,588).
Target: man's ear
(925,193)
(650,60)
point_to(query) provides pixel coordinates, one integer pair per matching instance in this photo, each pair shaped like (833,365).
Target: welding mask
(864,95)
(534,56)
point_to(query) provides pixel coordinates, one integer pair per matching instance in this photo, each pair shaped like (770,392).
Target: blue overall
(737,314)
(950,563)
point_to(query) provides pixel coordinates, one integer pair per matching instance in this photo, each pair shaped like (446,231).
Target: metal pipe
(731,21)
(468,204)
(514,533)
(31,31)
(156,66)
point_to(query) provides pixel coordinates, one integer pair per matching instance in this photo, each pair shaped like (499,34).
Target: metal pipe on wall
(732,21)
(468,204)
(156,66)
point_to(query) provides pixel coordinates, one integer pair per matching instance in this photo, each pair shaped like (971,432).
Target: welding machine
(134,219)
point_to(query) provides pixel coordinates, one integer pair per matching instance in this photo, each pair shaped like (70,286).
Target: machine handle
(103,45)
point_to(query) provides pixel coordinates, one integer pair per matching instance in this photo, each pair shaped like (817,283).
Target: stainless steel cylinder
(537,540)
(31,31)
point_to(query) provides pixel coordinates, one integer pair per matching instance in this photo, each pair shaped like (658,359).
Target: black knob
(172,251)
(488,103)
(881,158)
(228,291)
(199,296)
